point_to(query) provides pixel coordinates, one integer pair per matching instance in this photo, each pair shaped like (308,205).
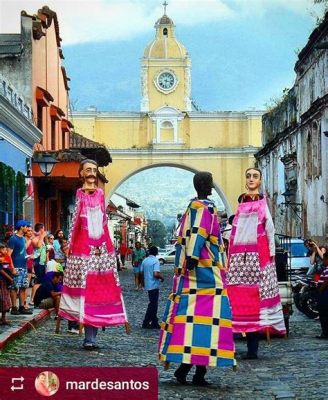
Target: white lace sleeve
(71,234)
(269,228)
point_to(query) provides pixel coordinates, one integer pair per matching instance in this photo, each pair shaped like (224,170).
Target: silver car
(298,254)
(167,258)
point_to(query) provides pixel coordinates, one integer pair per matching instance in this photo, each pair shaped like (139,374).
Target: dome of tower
(164,20)
(165,45)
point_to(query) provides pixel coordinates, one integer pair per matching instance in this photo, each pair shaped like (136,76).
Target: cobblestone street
(293,368)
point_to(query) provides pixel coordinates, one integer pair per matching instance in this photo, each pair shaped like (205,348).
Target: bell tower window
(165,31)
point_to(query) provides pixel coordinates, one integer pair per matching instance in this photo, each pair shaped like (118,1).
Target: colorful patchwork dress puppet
(196,327)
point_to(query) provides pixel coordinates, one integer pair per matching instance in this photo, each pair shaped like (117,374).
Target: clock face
(166,80)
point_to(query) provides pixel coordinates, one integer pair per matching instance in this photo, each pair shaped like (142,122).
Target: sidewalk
(21,324)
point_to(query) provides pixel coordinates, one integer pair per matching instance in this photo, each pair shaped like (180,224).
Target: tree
(157,232)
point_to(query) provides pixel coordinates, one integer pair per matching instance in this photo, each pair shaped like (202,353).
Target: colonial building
(125,223)
(294,157)
(169,130)
(33,60)
(18,134)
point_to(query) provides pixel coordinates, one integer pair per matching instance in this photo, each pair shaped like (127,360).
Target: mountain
(166,198)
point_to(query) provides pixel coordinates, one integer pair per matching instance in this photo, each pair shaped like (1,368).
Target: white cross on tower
(165,4)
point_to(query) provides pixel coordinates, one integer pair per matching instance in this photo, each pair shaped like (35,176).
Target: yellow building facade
(169,130)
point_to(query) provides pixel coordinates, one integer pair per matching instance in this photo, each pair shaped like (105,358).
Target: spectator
(29,260)
(316,257)
(7,271)
(50,247)
(40,257)
(17,251)
(138,254)
(64,251)
(150,268)
(47,294)
(59,235)
(323,298)
(226,233)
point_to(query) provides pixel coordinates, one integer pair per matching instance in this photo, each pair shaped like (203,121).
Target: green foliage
(12,191)
(275,102)
(157,232)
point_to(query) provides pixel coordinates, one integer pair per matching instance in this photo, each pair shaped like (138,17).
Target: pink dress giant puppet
(91,294)
(252,281)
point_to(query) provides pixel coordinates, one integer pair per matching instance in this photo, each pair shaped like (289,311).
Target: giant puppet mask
(88,172)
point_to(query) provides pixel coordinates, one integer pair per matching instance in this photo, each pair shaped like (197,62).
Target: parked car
(298,254)
(167,258)
(161,251)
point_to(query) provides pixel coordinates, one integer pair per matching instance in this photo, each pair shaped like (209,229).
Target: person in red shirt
(7,270)
(123,252)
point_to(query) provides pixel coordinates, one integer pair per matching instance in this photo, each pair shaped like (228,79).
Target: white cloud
(100,20)
(83,21)
(261,7)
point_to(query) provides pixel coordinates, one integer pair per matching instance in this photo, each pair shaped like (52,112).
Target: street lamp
(46,163)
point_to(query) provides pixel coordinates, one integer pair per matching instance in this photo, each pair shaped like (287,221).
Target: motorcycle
(305,295)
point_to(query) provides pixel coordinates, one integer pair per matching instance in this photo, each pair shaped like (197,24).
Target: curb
(25,326)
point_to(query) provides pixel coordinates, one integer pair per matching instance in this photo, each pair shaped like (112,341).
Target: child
(323,298)
(6,271)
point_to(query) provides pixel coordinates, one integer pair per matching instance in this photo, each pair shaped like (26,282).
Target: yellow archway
(172,165)
(227,168)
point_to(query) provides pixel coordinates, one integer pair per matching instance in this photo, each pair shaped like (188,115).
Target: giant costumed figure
(252,280)
(91,293)
(196,327)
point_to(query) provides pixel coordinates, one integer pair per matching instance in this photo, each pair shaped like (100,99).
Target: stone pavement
(293,368)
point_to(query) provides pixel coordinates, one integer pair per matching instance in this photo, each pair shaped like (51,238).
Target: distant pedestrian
(323,298)
(138,254)
(150,268)
(123,253)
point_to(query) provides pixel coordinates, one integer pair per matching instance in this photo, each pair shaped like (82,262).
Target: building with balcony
(294,159)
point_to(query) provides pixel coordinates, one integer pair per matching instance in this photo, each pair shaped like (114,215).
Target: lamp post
(46,163)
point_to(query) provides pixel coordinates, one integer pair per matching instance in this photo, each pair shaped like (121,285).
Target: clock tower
(165,71)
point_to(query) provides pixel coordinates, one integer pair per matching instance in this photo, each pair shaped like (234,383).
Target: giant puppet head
(88,171)
(203,183)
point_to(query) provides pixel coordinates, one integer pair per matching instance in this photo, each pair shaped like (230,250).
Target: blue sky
(243,51)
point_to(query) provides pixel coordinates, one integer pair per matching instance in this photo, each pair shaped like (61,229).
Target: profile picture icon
(46,383)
